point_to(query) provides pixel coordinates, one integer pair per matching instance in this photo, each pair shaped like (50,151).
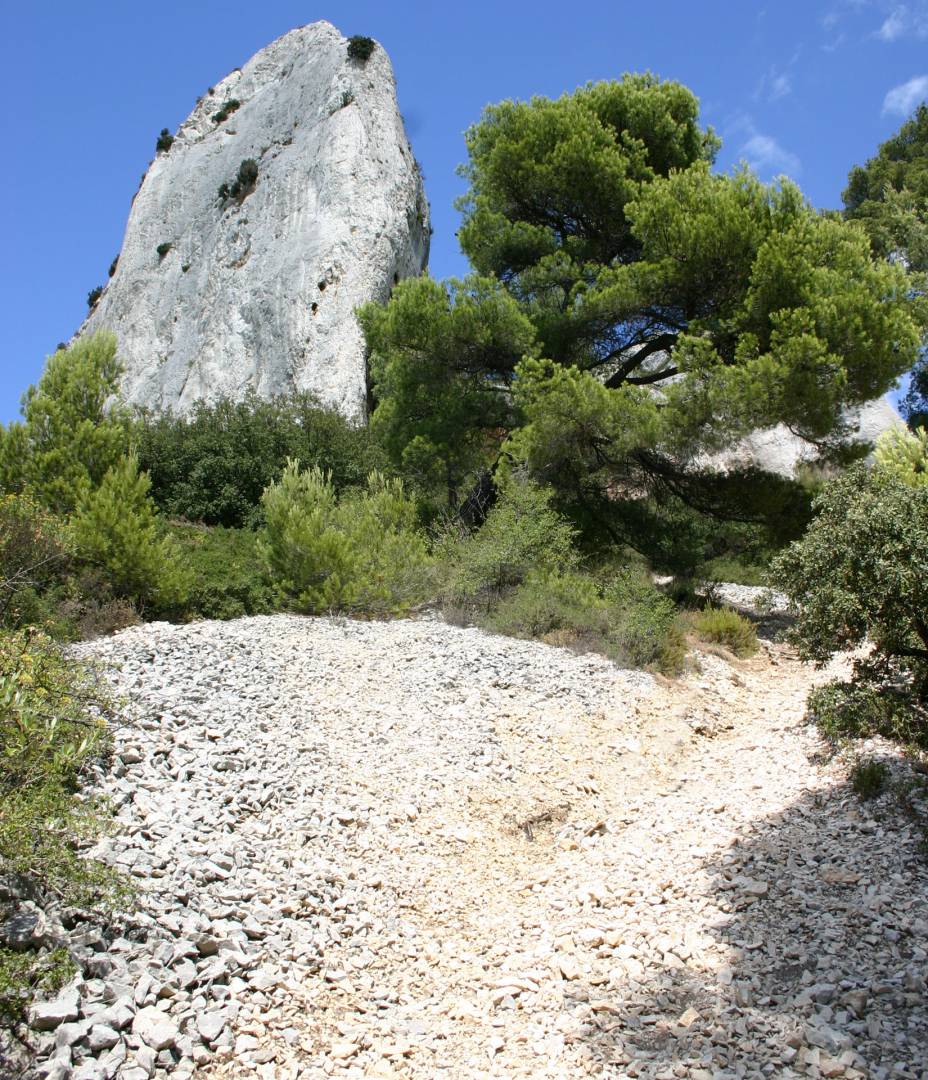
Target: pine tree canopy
(631,309)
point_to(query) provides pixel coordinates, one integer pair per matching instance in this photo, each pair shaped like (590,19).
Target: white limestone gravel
(405,849)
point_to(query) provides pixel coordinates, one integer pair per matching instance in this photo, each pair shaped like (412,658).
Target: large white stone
(779,450)
(261,294)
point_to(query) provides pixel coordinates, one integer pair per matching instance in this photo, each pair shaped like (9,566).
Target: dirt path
(468,857)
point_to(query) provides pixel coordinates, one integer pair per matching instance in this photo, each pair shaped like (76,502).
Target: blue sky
(807,88)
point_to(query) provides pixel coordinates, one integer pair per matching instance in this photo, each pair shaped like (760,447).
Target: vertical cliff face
(229,280)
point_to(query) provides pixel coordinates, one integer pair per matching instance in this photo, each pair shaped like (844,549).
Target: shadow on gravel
(822,913)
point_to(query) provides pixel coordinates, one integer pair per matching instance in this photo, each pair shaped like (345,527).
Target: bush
(723,626)
(51,730)
(116,529)
(112,269)
(227,576)
(163,249)
(860,576)
(93,296)
(627,620)
(35,554)
(868,778)
(904,454)
(361,48)
(213,465)
(244,182)
(226,111)
(362,553)
(522,533)
(165,142)
(849,710)
(643,624)
(565,608)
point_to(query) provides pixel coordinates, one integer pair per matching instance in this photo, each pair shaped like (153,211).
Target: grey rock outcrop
(779,450)
(216,295)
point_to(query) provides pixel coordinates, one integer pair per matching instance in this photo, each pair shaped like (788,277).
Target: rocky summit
(287,198)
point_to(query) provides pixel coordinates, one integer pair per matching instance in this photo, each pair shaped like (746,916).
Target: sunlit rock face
(256,289)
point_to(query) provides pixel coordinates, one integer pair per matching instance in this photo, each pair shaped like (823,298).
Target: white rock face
(260,292)
(778,450)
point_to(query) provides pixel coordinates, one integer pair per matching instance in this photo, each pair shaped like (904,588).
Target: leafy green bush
(851,710)
(116,529)
(627,619)
(723,626)
(522,533)
(163,249)
(564,608)
(244,183)
(362,553)
(51,730)
(93,296)
(227,574)
(213,465)
(36,551)
(226,110)
(860,575)
(643,623)
(360,48)
(868,778)
(165,142)
(904,454)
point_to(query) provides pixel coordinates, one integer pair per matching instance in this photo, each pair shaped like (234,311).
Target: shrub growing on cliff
(360,553)
(361,48)
(165,142)
(93,296)
(226,110)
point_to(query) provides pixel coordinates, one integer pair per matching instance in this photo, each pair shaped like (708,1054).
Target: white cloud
(780,85)
(903,98)
(905,21)
(894,25)
(765,155)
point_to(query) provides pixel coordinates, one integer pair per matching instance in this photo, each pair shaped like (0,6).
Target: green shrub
(93,296)
(116,529)
(522,533)
(244,183)
(565,608)
(723,626)
(51,729)
(213,465)
(643,624)
(904,454)
(226,111)
(868,778)
(165,142)
(227,575)
(854,710)
(163,249)
(628,619)
(360,48)
(112,269)
(362,553)
(860,575)
(36,550)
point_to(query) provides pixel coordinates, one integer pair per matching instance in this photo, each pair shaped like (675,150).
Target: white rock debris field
(405,849)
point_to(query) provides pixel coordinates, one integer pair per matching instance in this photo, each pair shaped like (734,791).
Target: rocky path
(408,850)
